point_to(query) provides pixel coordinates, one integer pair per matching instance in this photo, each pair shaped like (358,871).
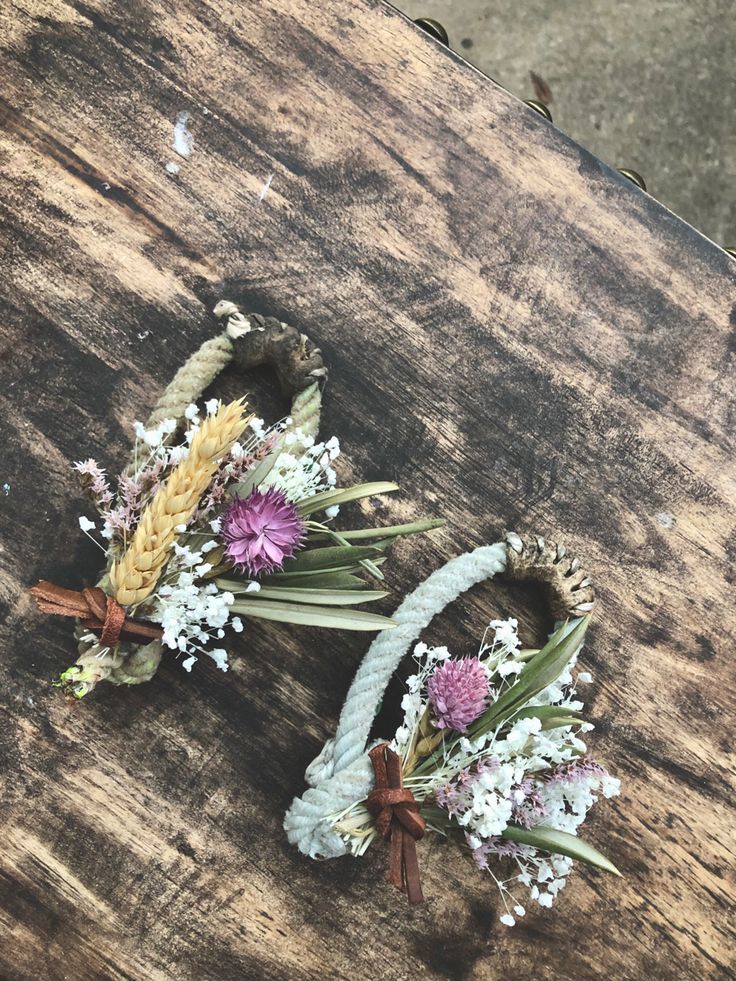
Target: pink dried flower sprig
(529,808)
(94,483)
(123,519)
(578,770)
(458,692)
(261,531)
(496,847)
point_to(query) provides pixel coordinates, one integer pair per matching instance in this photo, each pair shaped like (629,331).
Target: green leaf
(232,585)
(381,545)
(547,666)
(319,580)
(290,578)
(559,843)
(542,711)
(327,499)
(311,581)
(310,616)
(551,716)
(372,569)
(438,817)
(331,556)
(257,475)
(558,721)
(321,597)
(543,669)
(391,531)
(367,564)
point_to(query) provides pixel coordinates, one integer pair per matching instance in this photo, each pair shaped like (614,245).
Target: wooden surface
(518,336)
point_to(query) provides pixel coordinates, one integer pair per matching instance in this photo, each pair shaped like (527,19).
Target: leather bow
(96,610)
(397,819)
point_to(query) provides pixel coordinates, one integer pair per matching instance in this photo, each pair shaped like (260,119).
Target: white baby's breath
(219,656)
(190,611)
(303,468)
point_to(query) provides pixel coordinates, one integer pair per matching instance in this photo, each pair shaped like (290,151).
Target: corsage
(217,519)
(490,753)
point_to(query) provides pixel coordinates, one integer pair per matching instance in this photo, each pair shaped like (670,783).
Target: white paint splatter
(266,188)
(666,519)
(183,139)
(172,168)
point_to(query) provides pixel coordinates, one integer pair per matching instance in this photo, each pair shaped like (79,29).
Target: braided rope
(342,773)
(201,369)
(305,410)
(194,376)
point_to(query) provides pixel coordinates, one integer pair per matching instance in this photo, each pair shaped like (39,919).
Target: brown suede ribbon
(96,610)
(397,818)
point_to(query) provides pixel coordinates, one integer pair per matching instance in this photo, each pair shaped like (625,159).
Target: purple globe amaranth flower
(458,693)
(261,530)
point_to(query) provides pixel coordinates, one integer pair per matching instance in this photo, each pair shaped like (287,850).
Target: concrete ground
(648,85)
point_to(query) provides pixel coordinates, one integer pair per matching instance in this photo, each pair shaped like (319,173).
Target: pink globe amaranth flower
(458,693)
(261,530)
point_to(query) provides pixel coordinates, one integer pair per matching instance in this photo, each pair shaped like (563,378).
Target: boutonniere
(491,753)
(217,520)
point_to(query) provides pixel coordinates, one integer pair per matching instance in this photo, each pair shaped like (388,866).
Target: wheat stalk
(134,576)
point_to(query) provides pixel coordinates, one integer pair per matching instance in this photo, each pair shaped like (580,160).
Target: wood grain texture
(515,334)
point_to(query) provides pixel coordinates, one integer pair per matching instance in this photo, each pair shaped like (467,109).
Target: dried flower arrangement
(490,752)
(217,518)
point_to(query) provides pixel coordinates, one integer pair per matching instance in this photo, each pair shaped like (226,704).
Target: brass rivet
(731,249)
(632,176)
(540,108)
(434,28)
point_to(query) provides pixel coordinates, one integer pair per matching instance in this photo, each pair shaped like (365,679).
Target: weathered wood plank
(516,335)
